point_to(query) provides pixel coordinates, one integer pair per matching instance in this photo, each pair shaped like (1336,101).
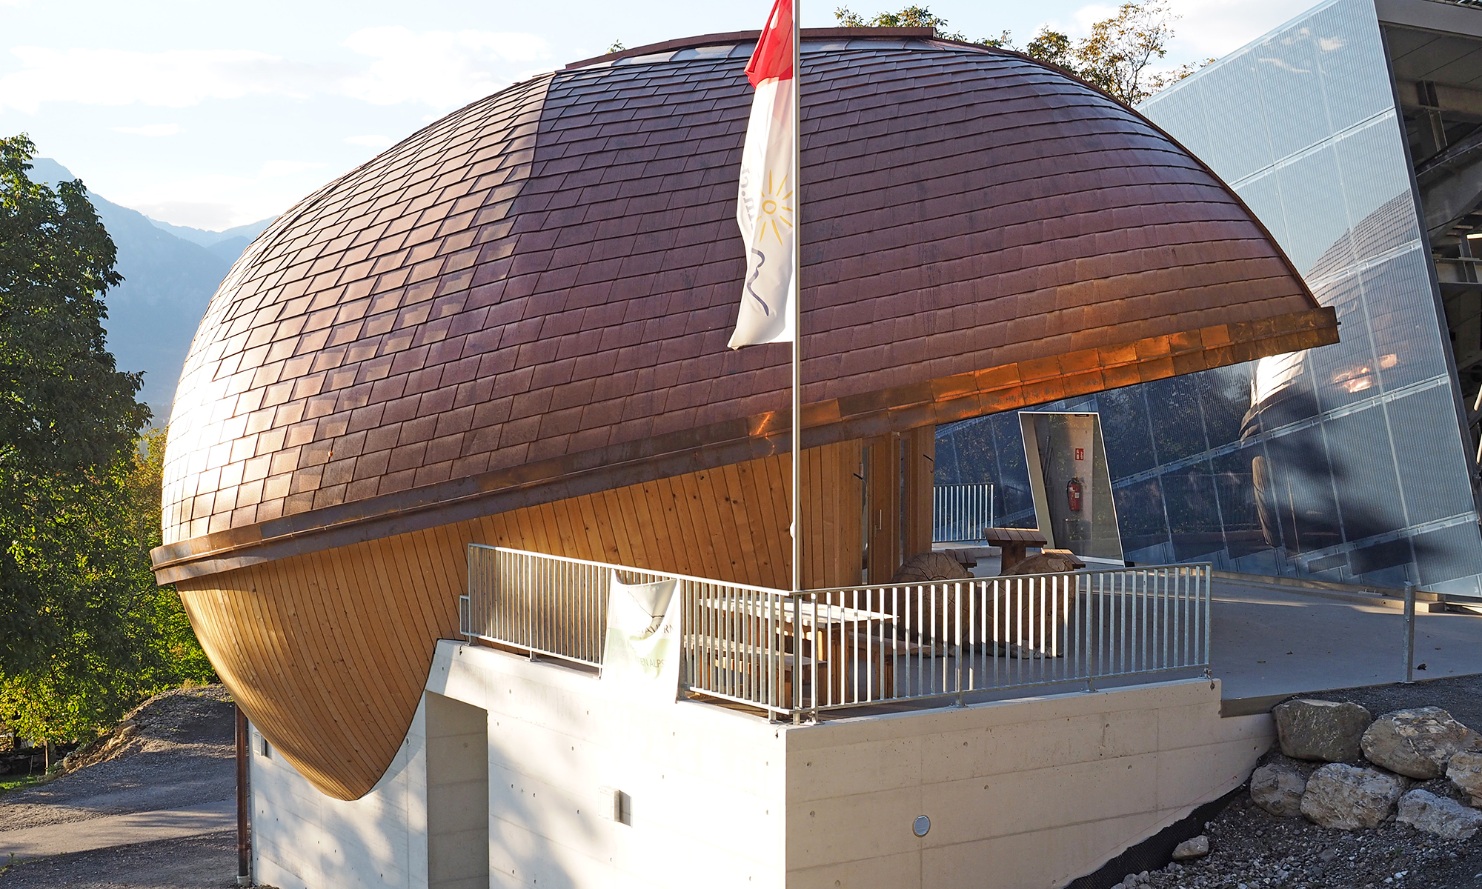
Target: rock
(1277,787)
(1443,817)
(1416,743)
(1465,771)
(1350,797)
(1198,847)
(1321,730)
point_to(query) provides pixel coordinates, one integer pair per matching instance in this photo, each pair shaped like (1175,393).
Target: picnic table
(1012,544)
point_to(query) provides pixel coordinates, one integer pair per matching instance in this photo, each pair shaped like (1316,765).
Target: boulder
(1277,787)
(1350,797)
(1416,743)
(1443,817)
(1465,771)
(1198,847)
(1321,730)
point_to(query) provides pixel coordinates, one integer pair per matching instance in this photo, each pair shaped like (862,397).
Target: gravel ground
(1251,849)
(204,862)
(175,750)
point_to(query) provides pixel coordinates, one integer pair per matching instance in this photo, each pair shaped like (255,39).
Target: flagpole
(797,302)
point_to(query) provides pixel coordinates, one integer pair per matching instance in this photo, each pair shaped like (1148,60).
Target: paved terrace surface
(1273,640)
(1275,637)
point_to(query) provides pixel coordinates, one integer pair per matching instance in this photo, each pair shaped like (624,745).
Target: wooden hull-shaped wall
(328,652)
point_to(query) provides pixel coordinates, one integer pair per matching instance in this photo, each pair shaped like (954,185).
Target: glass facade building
(1354,462)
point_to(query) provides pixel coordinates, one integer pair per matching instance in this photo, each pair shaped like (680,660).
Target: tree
(84,631)
(124,639)
(67,416)
(1117,53)
(1116,56)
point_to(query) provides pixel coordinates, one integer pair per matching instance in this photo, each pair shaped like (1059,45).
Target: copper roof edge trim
(723,37)
(588,472)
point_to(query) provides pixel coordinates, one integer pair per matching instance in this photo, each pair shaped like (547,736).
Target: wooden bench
(1012,544)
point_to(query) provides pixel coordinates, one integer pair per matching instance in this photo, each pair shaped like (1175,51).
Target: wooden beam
(919,451)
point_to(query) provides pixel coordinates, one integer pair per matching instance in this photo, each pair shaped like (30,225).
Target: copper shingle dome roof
(511,329)
(538,288)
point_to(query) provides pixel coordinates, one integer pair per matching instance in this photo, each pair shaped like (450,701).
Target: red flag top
(772,58)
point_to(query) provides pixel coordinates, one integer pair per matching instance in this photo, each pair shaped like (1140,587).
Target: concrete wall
(1020,794)
(302,839)
(703,785)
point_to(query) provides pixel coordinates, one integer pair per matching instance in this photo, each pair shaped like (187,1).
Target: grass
(19,782)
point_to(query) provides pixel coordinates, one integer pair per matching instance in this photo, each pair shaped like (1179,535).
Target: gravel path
(173,752)
(208,861)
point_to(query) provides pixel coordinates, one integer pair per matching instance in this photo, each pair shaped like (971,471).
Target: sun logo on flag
(776,209)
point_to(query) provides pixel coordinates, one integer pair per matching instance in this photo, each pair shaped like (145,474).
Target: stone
(1321,730)
(1351,797)
(1415,743)
(1465,771)
(1443,817)
(1198,847)
(1277,787)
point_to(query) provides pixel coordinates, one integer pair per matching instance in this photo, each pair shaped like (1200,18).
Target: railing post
(957,619)
(1409,632)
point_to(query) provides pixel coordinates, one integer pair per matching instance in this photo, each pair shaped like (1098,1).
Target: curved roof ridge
(721,38)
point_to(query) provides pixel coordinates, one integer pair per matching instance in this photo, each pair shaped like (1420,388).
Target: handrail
(801,654)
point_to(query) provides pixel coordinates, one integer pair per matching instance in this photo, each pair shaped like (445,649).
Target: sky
(213,115)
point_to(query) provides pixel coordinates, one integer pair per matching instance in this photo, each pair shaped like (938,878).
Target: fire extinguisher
(1073,494)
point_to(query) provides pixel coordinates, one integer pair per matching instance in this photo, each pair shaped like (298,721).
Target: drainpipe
(244,840)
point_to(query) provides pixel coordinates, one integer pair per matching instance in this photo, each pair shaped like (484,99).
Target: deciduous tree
(1118,55)
(84,631)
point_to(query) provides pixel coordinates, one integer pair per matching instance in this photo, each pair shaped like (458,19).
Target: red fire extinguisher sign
(1080,453)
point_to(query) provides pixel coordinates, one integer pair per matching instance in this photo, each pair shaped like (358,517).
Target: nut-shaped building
(511,328)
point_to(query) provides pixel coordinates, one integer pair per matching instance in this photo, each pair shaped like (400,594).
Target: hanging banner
(641,653)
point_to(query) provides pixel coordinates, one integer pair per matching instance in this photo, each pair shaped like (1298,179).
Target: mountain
(170,273)
(209,239)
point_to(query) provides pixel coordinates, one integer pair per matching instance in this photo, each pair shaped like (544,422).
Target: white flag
(766,208)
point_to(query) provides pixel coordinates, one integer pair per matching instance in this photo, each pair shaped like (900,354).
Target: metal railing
(960,512)
(799,654)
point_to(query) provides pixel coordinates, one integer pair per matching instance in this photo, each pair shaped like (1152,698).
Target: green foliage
(912,17)
(84,631)
(121,638)
(1116,56)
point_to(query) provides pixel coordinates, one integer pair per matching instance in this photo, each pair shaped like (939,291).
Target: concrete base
(582,786)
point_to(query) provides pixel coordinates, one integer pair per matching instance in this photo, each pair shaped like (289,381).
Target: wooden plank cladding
(328,652)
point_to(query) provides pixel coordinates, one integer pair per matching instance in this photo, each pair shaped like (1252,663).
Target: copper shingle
(545,281)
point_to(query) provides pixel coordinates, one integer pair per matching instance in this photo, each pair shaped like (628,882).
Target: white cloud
(370,140)
(443,69)
(172,79)
(153,130)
